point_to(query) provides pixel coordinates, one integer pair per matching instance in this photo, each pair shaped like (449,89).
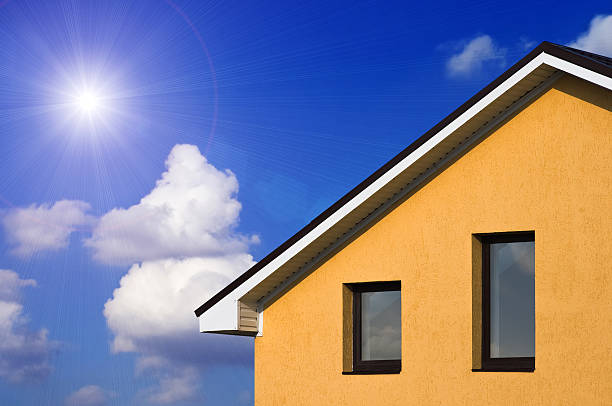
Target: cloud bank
(182,242)
(598,39)
(24,354)
(182,245)
(473,56)
(45,227)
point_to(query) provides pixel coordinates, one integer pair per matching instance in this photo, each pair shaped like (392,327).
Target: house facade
(473,268)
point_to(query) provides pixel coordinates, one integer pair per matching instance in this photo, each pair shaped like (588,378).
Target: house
(473,268)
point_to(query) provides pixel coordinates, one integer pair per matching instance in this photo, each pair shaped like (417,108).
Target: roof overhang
(238,308)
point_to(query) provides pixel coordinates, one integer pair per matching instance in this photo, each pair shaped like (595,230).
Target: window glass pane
(381,334)
(512,300)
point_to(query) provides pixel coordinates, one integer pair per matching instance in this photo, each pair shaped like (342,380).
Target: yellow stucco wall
(549,169)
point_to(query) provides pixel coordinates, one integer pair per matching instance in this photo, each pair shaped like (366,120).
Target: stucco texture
(548,169)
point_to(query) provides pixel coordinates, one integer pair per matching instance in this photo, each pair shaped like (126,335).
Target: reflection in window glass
(381,334)
(512,300)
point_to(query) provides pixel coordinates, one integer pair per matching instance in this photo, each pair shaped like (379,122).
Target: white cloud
(184,232)
(156,299)
(526,44)
(192,211)
(151,314)
(90,395)
(44,227)
(180,385)
(182,241)
(473,55)
(24,354)
(11,284)
(598,39)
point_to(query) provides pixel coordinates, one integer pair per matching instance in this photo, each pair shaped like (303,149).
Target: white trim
(260,322)
(583,73)
(207,323)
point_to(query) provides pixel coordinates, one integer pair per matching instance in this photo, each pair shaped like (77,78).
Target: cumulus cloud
(24,354)
(183,231)
(183,247)
(192,211)
(155,301)
(598,39)
(473,55)
(151,314)
(44,227)
(90,395)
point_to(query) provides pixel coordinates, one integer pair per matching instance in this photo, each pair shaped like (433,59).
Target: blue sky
(153,150)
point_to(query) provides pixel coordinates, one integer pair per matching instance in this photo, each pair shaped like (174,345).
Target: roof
(561,58)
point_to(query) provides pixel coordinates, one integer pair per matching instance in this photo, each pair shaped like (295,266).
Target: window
(508,301)
(376,327)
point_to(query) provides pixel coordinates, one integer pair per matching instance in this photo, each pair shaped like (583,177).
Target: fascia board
(579,71)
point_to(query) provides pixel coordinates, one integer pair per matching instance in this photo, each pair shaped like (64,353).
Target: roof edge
(580,58)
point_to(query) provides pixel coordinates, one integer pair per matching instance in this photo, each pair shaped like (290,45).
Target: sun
(90,105)
(89,101)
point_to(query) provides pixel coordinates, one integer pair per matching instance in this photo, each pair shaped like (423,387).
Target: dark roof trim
(596,63)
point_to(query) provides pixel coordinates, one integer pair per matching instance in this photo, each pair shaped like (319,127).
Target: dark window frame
(370,366)
(511,364)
